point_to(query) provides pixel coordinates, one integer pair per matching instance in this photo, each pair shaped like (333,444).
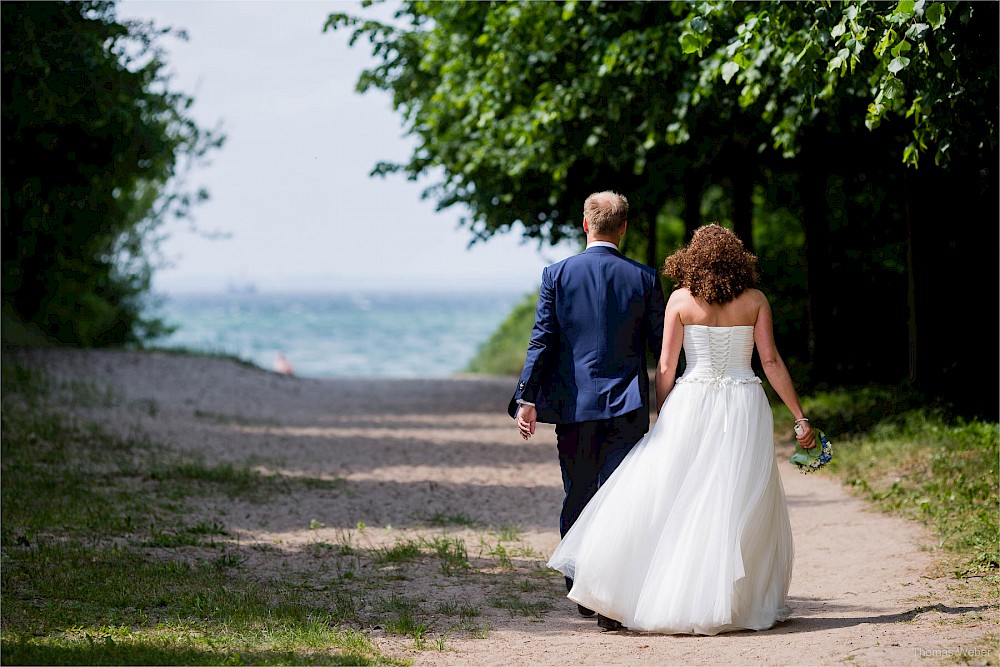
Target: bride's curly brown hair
(714,266)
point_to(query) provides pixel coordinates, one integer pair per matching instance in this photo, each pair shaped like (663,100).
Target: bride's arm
(673,337)
(776,371)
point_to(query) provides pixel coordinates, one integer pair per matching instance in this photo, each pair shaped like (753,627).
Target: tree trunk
(741,193)
(911,286)
(815,226)
(954,241)
(692,203)
(652,253)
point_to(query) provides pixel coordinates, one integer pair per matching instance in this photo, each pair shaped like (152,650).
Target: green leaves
(698,37)
(517,106)
(937,15)
(690,43)
(888,38)
(904,10)
(896,64)
(900,48)
(729,70)
(839,62)
(93,169)
(521,106)
(893,88)
(896,52)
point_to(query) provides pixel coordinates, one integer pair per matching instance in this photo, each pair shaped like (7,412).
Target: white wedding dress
(690,534)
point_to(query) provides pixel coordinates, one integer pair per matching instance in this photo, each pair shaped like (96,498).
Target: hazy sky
(291,184)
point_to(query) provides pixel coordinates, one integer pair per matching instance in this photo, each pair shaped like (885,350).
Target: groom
(598,312)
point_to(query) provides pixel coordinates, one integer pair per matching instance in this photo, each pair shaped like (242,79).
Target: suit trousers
(588,453)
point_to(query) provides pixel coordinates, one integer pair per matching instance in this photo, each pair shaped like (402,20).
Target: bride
(691,534)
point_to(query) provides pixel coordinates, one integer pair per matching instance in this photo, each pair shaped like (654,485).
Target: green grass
(509,532)
(111,555)
(93,525)
(503,352)
(848,412)
(184,536)
(67,603)
(499,552)
(31,385)
(404,617)
(519,606)
(916,461)
(17,333)
(401,552)
(453,554)
(168,650)
(940,472)
(458,608)
(457,519)
(235,419)
(192,475)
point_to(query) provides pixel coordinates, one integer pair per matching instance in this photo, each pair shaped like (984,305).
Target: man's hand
(526,416)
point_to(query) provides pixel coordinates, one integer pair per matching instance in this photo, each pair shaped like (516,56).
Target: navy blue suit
(598,313)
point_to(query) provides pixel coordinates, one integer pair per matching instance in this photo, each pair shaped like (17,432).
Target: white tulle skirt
(691,534)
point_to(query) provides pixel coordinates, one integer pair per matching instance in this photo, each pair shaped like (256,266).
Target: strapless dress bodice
(718,355)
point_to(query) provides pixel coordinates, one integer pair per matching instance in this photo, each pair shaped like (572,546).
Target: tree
(94,145)
(526,108)
(926,76)
(934,63)
(522,109)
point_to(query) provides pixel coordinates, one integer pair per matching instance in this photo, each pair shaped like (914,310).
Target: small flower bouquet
(814,458)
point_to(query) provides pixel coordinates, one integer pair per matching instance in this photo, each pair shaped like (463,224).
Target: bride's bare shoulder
(755,304)
(755,296)
(681,295)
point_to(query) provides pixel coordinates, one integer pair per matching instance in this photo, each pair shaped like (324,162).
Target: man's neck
(602,242)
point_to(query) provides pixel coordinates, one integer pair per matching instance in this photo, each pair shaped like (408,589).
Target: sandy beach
(440,460)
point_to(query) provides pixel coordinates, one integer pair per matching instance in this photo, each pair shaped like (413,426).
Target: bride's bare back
(741,311)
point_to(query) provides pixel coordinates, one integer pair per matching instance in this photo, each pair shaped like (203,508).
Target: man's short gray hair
(605,212)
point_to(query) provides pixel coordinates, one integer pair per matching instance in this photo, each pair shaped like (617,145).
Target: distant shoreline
(303,291)
(219,356)
(209,363)
(338,333)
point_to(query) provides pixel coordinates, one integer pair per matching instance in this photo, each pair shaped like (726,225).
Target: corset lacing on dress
(713,358)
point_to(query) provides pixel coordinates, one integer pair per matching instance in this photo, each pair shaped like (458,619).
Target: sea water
(340,334)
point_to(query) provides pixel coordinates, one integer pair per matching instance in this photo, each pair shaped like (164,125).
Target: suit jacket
(598,312)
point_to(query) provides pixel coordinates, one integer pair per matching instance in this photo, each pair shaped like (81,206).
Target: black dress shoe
(609,623)
(584,611)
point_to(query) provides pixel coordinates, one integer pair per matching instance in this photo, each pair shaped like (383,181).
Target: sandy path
(863,591)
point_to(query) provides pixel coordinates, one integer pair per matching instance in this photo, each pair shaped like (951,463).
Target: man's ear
(624,227)
(586,226)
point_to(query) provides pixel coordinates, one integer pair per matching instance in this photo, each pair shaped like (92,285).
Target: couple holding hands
(682,528)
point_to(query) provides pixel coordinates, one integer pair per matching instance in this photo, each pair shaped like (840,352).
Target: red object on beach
(281,365)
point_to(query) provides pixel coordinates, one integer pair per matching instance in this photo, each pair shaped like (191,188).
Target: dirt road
(439,458)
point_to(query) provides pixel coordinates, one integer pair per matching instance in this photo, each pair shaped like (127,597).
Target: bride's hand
(808,437)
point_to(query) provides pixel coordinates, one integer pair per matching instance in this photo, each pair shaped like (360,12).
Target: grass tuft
(458,519)
(453,554)
(519,606)
(404,551)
